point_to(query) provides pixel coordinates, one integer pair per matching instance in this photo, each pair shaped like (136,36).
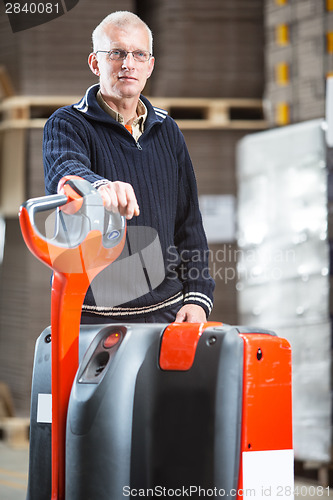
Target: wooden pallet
(319,470)
(19,114)
(6,401)
(190,113)
(206,113)
(14,431)
(6,85)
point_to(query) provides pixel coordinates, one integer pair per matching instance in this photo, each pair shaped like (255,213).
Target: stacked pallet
(15,431)
(207,49)
(298,58)
(23,119)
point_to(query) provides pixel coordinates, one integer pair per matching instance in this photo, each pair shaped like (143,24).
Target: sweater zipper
(129,130)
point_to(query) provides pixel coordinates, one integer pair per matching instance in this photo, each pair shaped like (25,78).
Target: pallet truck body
(187,410)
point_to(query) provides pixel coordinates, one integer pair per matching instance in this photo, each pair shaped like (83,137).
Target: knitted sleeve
(65,151)
(190,238)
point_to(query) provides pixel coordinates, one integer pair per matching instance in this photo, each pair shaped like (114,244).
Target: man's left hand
(191,313)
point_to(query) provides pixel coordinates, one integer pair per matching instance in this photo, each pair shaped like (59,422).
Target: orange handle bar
(77,252)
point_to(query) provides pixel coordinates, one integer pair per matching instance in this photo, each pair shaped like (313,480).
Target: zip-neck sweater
(84,140)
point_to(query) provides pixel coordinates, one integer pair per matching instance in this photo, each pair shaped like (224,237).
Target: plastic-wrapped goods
(283,270)
(311,347)
(280,148)
(280,260)
(284,302)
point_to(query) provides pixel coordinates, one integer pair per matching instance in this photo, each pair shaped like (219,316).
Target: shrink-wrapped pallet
(285,264)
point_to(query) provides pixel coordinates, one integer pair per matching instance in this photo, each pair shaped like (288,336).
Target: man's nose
(128,62)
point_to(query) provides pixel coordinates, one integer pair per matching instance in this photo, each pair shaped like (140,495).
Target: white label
(219,217)
(268,474)
(44,409)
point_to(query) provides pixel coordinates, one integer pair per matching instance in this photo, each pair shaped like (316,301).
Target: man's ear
(93,63)
(151,66)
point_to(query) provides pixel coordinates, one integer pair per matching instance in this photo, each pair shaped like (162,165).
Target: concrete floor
(14,478)
(13,472)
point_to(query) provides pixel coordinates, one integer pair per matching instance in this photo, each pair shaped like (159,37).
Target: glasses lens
(117,54)
(141,55)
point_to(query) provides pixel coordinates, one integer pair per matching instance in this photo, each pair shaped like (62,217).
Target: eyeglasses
(120,55)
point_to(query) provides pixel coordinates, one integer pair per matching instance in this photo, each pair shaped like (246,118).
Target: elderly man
(135,155)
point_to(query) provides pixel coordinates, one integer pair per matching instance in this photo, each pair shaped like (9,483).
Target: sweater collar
(89,106)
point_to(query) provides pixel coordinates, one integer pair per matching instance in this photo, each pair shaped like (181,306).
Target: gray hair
(121,19)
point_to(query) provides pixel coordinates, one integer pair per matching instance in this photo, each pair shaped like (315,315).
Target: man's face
(125,78)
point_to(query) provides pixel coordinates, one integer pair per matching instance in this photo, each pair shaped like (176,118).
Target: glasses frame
(126,52)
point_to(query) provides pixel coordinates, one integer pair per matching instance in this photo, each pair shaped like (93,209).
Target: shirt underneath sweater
(84,140)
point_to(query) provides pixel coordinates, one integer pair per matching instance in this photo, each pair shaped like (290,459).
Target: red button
(112,340)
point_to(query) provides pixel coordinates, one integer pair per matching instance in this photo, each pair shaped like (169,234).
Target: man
(134,155)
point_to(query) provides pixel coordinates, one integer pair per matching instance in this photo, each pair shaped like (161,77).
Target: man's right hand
(120,197)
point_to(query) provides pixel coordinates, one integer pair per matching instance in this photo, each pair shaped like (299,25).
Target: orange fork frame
(267,395)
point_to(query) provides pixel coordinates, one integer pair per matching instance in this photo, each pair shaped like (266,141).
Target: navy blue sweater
(84,140)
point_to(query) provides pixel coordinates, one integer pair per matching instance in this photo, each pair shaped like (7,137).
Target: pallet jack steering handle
(77,251)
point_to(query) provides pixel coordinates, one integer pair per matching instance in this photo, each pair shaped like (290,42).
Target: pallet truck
(146,410)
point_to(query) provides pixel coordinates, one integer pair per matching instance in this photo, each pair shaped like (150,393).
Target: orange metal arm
(74,268)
